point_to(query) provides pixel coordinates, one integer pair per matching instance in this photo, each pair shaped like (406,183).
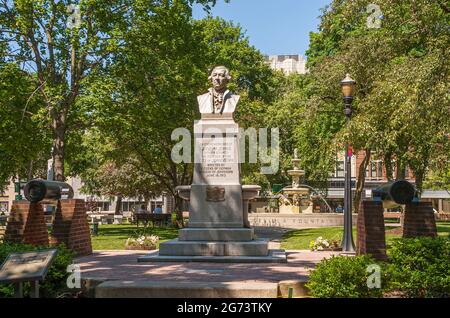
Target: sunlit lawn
(300,239)
(113,237)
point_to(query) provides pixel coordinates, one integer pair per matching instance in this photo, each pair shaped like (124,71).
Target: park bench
(155,219)
(392,215)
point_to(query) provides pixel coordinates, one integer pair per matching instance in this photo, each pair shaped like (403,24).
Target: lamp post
(348,85)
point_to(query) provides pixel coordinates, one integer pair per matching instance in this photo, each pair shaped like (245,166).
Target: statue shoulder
(235,98)
(203,97)
(204,103)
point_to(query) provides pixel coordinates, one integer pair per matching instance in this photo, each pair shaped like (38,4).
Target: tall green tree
(401,69)
(65,45)
(23,142)
(154,85)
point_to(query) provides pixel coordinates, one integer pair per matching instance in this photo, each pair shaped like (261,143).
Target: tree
(65,45)
(23,142)
(128,180)
(153,86)
(402,75)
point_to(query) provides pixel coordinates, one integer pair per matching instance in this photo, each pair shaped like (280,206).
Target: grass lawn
(113,237)
(300,239)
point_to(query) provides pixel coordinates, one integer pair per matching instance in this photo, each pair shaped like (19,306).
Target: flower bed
(142,243)
(321,244)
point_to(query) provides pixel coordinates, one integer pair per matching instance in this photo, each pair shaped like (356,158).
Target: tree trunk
(59,135)
(30,171)
(118,208)
(388,166)
(418,176)
(361,180)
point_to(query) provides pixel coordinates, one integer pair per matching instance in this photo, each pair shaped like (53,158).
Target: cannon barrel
(38,190)
(394,193)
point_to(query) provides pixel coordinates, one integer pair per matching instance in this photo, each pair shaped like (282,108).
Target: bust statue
(218,99)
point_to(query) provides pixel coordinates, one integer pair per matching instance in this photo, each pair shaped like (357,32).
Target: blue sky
(273,26)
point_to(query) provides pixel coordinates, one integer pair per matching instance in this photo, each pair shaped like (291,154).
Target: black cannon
(394,193)
(38,190)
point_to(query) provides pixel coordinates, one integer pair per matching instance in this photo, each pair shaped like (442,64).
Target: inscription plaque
(215,194)
(26,266)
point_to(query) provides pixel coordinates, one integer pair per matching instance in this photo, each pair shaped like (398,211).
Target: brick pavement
(123,265)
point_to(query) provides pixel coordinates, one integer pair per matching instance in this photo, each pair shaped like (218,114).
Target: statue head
(220,77)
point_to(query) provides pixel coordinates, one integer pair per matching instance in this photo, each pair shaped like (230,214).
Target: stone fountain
(296,198)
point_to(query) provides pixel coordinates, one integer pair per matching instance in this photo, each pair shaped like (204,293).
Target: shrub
(342,276)
(420,267)
(55,281)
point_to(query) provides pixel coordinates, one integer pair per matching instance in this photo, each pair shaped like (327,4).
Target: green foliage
(55,281)
(153,86)
(416,267)
(342,276)
(65,60)
(114,237)
(24,143)
(402,74)
(420,267)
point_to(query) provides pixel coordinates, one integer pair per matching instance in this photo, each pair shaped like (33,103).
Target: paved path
(123,265)
(274,234)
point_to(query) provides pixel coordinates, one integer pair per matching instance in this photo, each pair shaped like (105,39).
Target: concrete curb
(104,288)
(145,289)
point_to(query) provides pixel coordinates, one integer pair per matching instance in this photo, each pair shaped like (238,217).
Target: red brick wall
(71,227)
(371,237)
(26,224)
(419,220)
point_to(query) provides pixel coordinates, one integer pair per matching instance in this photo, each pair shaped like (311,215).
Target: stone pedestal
(216,191)
(26,224)
(371,232)
(216,234)
(71,227)
(218,221)
(419,220)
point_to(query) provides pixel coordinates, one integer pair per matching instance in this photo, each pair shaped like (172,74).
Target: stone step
(165,289)
(176,247)
(274,256)
(216,234)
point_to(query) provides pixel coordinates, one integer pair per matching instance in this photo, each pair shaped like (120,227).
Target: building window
(105,205)
(375,170)
(380,169)
(340,173)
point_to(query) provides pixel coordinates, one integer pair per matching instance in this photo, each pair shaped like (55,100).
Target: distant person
(157,210)
(339,209)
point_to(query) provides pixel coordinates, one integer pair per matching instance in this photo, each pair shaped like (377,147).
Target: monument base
(176,247)
(216,234)
(273,256)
